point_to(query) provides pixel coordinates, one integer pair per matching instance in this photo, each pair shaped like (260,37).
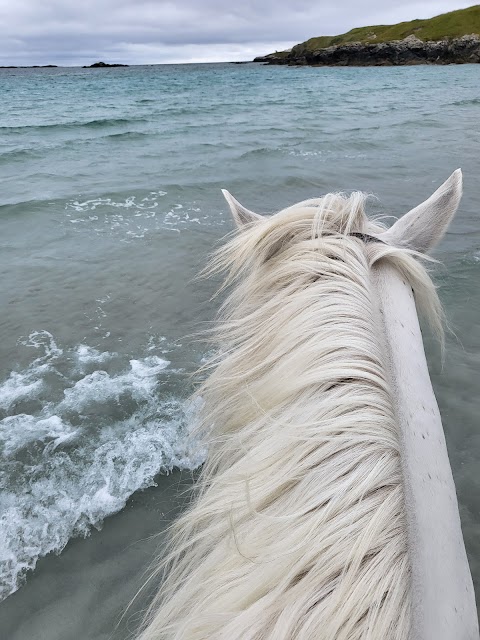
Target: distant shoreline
(31,66)
(97,65)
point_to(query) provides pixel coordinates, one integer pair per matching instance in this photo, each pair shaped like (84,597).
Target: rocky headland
(409,51)
(450,38)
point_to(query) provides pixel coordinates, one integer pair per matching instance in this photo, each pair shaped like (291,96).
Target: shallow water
(110,204)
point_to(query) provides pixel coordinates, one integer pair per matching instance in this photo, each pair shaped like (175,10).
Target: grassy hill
(448,25)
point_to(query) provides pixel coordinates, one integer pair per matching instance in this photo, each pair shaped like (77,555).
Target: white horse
(326,507)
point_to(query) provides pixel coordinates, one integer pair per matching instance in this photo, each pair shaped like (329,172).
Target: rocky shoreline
(409,51)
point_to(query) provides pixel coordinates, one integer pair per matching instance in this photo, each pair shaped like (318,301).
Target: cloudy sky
(73,32)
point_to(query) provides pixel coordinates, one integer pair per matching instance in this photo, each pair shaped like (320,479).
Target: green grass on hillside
(448,25)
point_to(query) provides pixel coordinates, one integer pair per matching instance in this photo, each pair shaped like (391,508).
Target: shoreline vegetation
(450,38)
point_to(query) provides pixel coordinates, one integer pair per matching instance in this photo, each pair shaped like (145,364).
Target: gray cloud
(155,31)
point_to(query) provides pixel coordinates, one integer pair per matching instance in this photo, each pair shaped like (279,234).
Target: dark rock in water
(241,62)
(102,65)
(409,51)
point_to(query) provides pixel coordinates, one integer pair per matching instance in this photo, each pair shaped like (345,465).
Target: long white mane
(298,526)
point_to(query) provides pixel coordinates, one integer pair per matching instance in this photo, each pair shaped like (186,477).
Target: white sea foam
(134,217)
(17,432)
(30,382)
(17,386)
(97,437)
(88,355)
(99,386)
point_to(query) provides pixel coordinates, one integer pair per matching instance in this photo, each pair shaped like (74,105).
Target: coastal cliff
(451,38)
(409,51)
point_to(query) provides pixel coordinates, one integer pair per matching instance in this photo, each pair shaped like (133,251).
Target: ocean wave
(40,151)
(14,155)
(89,124)
(465,102)
(260,152)
(94,435)
(126,135)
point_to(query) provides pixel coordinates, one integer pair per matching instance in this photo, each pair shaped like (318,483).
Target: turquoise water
(110,203)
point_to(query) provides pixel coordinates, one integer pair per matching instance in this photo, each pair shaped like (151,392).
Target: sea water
(109,206)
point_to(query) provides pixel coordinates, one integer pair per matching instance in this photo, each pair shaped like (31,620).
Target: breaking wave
(81,430)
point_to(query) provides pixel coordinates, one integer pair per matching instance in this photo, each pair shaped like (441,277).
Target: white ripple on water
(133,218)
(76,460)
(323,155)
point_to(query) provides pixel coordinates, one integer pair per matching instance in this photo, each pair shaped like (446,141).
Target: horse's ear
(423,227)
(241,215)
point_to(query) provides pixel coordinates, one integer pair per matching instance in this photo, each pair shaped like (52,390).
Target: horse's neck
(442,597)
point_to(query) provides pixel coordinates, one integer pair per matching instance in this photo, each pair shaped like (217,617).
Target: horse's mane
(298,526)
